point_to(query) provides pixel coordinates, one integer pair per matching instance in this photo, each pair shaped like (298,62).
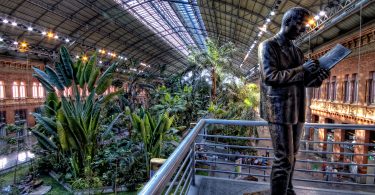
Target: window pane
(355,88)
(15,89)
(40,91)
(35,90)
(22,90)
(372,88)
(2,90)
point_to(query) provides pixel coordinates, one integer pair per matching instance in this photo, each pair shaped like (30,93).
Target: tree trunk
(213,88)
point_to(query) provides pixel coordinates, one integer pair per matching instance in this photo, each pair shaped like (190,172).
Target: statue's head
(294,22)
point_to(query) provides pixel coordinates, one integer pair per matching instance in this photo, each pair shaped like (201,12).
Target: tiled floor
(220,186)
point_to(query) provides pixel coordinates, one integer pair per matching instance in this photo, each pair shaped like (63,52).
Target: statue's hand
(311,65)
(323,74)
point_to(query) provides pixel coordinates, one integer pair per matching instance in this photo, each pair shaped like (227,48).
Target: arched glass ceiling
(192,19)
(158,32)
(160,17)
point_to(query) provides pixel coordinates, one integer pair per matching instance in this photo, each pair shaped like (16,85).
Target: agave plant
(70,124)
(153,133)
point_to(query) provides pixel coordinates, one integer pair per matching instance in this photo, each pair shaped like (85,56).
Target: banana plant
(72,122)
(153,133)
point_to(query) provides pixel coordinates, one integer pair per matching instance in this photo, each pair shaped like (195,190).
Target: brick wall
(361,61)
(20,70)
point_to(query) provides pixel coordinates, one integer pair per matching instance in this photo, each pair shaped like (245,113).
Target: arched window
(15,89)
(35,90)
(354,88)
(22,90)
(68,92)
(2,90)
(111,89)
(40,91)
(333,94)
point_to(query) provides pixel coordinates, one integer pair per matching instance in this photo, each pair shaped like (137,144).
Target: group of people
(261,161)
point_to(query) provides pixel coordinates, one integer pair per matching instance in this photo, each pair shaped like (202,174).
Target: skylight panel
(161,19)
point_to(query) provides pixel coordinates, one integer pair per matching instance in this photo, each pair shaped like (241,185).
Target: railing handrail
(166,171)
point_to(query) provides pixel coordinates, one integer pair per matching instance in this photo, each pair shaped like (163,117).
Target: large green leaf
(66,62)
(61,74)
(92,79)
(76,66)
(62,136)
(81,75)
(44,142)
(105,79)
(47,123)
(90,66)
(54,79)
(47,86)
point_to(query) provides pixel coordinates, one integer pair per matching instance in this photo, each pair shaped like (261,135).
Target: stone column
(29,89)
(362,136)
(339,136)
(322,135)
(9,116)
(8,89)
(29,117)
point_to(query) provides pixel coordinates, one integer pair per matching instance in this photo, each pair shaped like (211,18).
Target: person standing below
(284,77)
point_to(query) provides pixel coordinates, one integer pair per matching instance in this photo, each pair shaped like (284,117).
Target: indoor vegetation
(93,133)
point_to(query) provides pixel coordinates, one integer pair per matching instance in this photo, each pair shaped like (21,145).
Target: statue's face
(296,27)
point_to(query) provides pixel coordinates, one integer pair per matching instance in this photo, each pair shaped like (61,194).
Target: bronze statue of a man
(284,77)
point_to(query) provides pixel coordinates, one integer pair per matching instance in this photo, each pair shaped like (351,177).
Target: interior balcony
(207,162)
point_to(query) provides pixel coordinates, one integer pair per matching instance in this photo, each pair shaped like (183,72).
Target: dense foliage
(93,138)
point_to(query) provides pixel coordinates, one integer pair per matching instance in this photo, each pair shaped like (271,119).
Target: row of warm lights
(131,69)
(44,33)
(263,29)
(67,40)
(24,45)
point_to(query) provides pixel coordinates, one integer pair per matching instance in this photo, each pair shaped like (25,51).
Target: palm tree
(214,58)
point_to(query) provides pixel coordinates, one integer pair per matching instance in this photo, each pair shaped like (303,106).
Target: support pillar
(29,117)
(339,136)
(362,136)
(9,116)
(322,134)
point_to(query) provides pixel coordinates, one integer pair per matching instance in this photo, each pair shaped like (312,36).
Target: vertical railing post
(193,164)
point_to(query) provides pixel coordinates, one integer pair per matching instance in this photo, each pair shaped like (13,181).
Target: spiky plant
(70,123)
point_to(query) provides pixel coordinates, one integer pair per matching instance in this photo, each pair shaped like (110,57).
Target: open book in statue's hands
(326,63)
(333,56)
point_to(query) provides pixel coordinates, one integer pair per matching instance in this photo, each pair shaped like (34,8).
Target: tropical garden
(92,137)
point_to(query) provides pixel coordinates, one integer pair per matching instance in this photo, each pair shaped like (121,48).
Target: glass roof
(161,19)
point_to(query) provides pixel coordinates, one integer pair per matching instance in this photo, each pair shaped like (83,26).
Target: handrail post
(193,164)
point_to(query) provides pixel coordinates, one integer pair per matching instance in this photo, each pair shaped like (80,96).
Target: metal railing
(202,152)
